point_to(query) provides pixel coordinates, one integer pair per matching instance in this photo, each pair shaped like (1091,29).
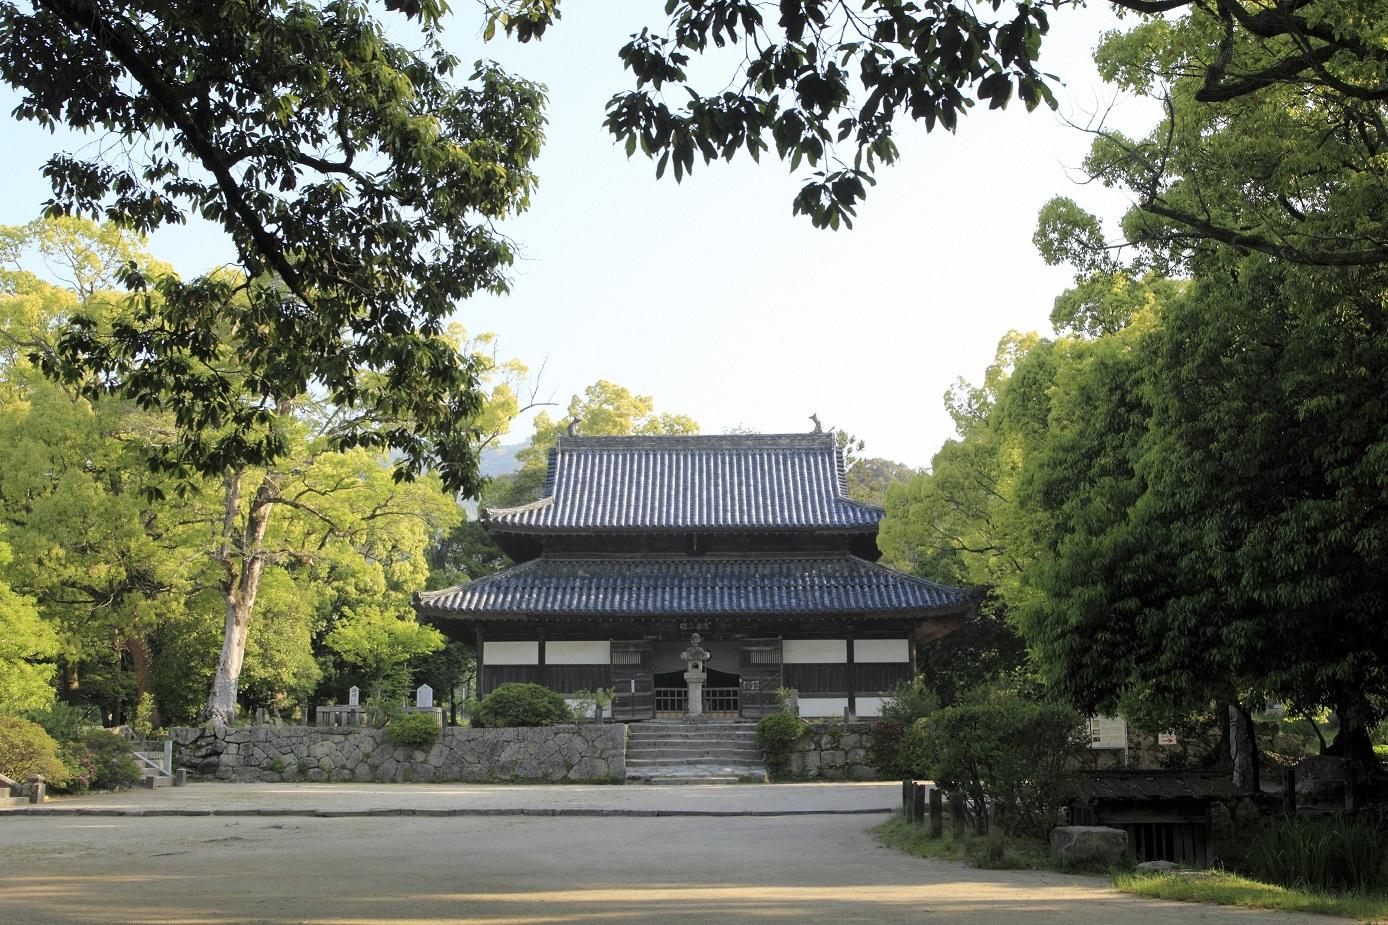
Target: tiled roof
(771,586)
(740,482)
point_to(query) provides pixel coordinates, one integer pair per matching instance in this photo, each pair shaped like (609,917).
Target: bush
(112,767)
(777,734)
(26,749)
(1331,855)
(1005,749)
(416,730)
(910,701)
(523,705)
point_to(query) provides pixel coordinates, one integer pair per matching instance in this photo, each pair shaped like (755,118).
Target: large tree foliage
(27,649)
(118,563)
(358,183)
(826,83)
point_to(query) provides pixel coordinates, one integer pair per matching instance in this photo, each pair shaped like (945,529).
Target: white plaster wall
(568,652)
(511,653)
(881,650)
(868,706)
(814,651)
(822,706)
(589,710)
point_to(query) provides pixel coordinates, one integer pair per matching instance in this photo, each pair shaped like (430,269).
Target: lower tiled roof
(809,585)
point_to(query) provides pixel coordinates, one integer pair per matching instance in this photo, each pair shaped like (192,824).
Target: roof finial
(573,427)
(818,428)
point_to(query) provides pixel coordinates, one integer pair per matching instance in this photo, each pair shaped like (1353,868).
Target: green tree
(381,642)
(359,184)
(27,649)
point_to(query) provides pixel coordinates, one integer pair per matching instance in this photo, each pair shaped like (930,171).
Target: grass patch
(1230,890)
(1018,853)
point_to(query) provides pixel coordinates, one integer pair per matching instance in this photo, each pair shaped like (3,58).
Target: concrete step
(157,780)
(9,802)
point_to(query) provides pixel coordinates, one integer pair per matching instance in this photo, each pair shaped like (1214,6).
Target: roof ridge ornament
(573,426)
(818,428)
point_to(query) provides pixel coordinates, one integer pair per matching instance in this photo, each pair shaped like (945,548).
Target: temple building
(749,541)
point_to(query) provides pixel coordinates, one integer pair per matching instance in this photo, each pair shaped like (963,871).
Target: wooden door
(633,682)
(761,677)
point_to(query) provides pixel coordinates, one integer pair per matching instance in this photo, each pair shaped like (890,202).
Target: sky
(709,295)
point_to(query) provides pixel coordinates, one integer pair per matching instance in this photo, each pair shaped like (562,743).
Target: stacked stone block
(588,754)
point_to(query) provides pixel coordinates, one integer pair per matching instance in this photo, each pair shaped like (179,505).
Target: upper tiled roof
(740,482)
(771,586)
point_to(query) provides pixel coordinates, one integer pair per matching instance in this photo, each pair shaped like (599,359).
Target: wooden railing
(718,701)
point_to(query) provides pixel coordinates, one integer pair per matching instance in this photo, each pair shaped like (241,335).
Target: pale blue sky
(709,295)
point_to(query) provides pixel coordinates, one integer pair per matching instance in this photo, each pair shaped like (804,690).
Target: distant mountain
(500,459)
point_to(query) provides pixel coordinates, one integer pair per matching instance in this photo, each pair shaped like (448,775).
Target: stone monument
(694,657)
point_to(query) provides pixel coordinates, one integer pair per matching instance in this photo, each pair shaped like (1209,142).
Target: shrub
(523,705)
(112,766)
(1005,749)
(777,734)
(143,722)
(909,702)
(26,749)
(1331,855)
(415,730)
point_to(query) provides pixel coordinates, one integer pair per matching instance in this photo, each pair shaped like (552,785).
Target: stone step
(685,780)
(643,763)
(155,779)
(693,753)
(696,737)
(9,802)
(692,742)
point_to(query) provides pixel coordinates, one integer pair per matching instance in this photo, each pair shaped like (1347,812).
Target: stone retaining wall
(586,753)
(833,751)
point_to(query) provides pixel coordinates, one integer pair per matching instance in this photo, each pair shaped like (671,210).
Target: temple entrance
(721,695)
(632,689)
(761,677)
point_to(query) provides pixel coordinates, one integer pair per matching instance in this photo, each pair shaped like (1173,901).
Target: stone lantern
(694,676)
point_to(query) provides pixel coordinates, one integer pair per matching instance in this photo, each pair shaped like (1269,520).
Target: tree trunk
(142,665)
(245,561)
(1243,749)
(1353,741)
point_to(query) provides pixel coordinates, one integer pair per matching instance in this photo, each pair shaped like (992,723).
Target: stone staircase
(155,770)
(676,753)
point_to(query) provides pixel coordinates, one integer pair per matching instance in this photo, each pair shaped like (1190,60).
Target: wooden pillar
(541,673)
(852,692)
(937,813)
(918,804)
(478,692)
(908,791)
(1289,791)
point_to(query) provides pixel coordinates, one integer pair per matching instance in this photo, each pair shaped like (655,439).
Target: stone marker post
(995,837)
(424,697)
(38,789)
(1289,791)
(937,813)
(353,696)
(956,814)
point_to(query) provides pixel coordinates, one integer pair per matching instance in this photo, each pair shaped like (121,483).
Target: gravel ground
(73,870)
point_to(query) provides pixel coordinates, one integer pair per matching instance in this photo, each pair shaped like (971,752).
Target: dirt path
(520,870)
